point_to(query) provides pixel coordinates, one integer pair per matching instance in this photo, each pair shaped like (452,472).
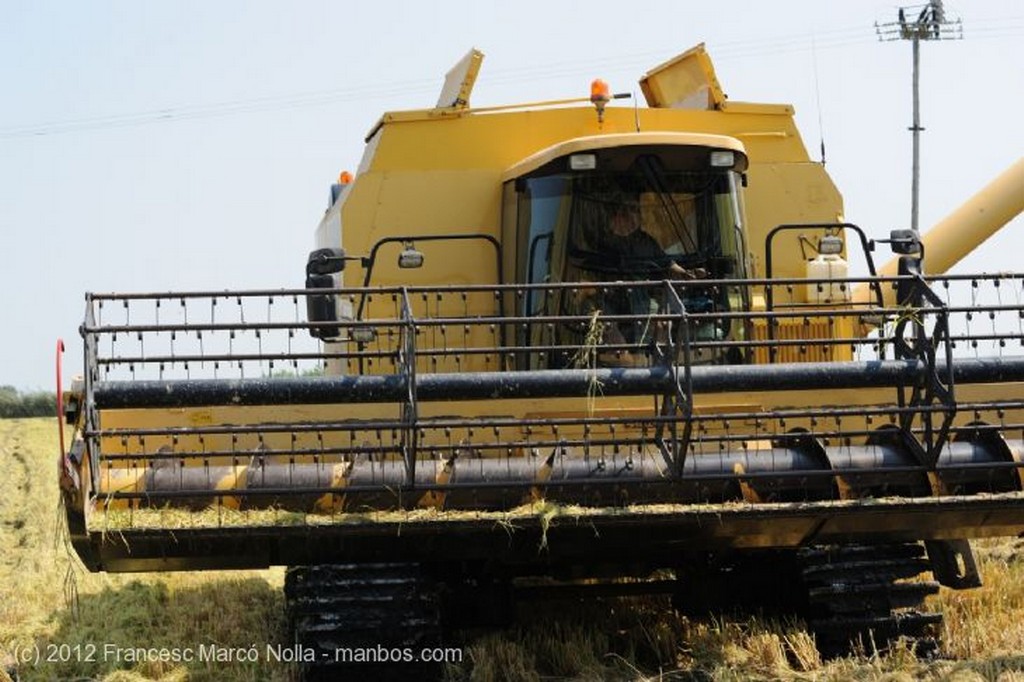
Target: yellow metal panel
(787,193)
(758,108)
(685,81)
(459,81)
(488,144)
(796,329)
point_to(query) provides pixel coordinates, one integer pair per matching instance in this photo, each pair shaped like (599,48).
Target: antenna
(817,97)
(930,24)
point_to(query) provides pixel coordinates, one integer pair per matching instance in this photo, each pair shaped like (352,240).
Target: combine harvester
(570,345)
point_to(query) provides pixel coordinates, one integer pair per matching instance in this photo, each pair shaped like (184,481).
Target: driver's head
(625,218)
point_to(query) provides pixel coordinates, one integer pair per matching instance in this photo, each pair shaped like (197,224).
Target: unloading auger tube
(966,227)
(481,434)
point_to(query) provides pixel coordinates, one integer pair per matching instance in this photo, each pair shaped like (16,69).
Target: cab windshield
(688,221)
(632,226)
(642,221)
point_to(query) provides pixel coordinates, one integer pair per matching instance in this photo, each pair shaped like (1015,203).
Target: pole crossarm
(921,22)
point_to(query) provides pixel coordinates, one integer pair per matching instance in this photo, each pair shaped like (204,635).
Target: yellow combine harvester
(576,340)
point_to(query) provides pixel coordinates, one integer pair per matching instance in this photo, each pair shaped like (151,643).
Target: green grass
(48,602)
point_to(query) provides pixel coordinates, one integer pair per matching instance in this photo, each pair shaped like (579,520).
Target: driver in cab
(641,257)
(639,251)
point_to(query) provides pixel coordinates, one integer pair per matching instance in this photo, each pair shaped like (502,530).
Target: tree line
(15,403)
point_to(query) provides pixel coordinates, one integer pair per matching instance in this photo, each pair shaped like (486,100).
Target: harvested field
(84,625)
(59,622)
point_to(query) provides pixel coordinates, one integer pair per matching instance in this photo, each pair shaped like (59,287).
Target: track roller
(363,621)
(868,596)
(851,596)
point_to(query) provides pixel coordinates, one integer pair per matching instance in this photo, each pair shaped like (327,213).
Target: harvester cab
(626,208)
(569,339)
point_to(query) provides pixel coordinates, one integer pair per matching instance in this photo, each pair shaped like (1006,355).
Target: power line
(724,52)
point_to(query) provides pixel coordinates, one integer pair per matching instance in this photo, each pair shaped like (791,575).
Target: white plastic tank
(828,267)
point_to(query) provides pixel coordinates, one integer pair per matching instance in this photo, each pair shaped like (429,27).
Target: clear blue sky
(184,145)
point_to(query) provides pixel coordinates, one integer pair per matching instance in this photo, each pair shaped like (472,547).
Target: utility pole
(930,24)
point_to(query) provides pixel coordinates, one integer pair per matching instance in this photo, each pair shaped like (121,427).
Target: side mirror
(321,267)
(905,242)
(325,262)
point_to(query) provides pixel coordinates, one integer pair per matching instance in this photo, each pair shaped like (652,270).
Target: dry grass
(644,642)
(636,640)
(48,603)
(989,622)
(219,516)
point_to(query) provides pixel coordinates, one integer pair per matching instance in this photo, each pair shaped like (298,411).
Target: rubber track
(862,594)
(368,607)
